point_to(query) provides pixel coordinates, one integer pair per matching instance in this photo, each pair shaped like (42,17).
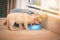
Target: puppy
(22,18)
(19,18)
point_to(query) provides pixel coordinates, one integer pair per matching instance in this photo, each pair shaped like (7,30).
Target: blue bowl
(35,27)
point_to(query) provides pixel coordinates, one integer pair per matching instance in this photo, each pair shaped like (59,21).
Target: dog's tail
(5,22)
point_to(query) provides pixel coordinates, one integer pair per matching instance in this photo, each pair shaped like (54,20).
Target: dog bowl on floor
(35,27)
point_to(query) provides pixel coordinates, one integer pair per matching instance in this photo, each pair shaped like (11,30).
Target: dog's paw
(12,29)
(27,29)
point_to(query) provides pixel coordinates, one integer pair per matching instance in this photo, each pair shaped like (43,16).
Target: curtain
(11,5)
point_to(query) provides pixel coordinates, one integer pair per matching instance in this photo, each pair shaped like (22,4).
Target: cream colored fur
(19,18)
(22,18)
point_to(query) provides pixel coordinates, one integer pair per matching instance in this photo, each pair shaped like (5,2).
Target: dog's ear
(40,17)
(43,16)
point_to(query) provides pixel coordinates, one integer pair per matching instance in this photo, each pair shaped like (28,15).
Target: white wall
(18,3)
(21,3)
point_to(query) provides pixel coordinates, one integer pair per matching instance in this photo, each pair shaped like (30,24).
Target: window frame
(40,9)
(33,7)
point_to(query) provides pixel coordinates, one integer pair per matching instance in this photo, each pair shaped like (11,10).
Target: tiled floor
(42,34)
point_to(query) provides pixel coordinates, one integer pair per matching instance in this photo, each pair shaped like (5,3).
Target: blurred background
(7,5)
(50,26)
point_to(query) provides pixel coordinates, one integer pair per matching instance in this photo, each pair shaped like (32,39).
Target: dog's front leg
(20,26)
(26,26)
(10,26)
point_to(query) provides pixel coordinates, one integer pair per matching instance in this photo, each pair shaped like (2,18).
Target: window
(35,2)
(43,5)
(34,5)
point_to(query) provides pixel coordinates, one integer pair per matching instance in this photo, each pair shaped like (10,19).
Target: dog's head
(38,18)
